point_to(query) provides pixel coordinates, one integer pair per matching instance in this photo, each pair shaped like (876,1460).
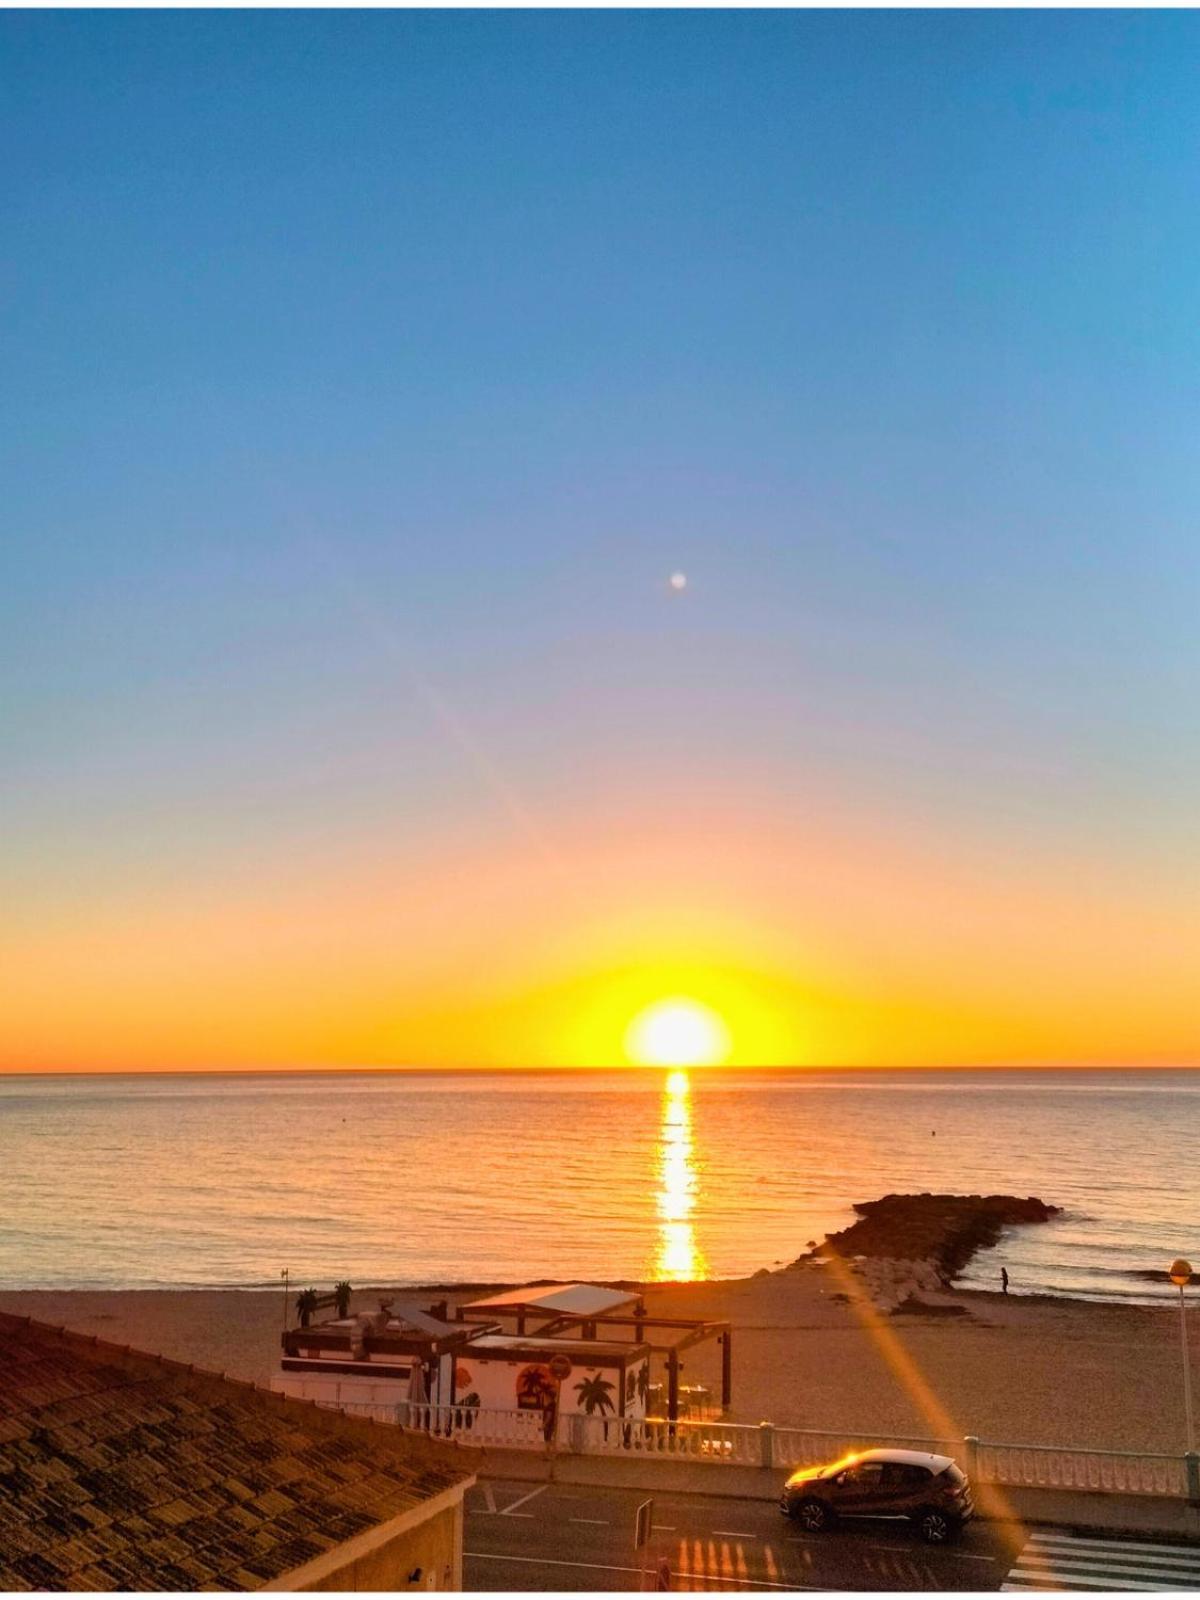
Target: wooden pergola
(555,1323)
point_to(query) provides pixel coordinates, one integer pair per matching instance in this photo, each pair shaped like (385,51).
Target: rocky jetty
(908,1244)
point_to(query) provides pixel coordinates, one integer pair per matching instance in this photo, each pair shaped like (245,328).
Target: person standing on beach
(1003,1280)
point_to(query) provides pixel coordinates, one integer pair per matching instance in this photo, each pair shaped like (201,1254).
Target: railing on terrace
(477,1425)
(744,1445)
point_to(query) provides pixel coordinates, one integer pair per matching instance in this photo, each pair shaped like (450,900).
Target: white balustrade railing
(1109,1471)
(728,1442)
(744,1445)
(477,1425)
(811,1447)
(380,1411)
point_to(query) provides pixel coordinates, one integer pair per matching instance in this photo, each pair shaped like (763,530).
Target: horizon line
(624,1067)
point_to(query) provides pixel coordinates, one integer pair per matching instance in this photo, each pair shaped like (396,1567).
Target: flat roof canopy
(564,1299)
(584,1352)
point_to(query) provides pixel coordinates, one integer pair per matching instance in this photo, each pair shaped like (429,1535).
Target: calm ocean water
(221,1180)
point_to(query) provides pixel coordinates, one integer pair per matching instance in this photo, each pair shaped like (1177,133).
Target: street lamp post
(1180,1273)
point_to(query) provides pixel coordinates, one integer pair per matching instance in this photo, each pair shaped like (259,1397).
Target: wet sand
(1016,1369)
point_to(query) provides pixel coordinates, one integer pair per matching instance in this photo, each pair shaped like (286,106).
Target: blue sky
(365,374)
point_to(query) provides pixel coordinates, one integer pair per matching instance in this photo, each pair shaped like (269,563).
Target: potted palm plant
(341,1299)
(306,1304)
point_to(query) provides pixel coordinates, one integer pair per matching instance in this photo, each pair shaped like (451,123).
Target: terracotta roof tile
(122,1471)
(91,1579)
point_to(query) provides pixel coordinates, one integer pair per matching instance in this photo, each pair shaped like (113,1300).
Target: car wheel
(815,1516)
(935,1527)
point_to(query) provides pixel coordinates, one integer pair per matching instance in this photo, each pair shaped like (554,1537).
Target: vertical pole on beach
(1180,1274)
(284,1276)
(672,1387)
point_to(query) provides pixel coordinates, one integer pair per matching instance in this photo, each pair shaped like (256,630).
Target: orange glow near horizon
(837,943)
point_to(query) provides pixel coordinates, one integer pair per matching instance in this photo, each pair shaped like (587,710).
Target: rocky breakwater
(906,1245)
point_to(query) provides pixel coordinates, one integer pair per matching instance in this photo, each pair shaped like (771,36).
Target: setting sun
(677,1033)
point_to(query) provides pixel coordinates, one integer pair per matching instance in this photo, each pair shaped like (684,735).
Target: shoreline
(460,1287)
(965,1292)
(1018,1369)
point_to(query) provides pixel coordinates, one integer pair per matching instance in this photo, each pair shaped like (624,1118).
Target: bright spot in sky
(678,580)
(677,1033)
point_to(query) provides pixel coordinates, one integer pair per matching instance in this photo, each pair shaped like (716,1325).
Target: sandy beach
(1016,1369)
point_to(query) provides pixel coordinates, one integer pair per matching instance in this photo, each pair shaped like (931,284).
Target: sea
(201,1180)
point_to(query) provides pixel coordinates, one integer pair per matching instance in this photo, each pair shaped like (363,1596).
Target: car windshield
(955,1474)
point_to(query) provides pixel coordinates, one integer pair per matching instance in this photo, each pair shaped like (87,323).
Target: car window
(899,1475)
(865,1476)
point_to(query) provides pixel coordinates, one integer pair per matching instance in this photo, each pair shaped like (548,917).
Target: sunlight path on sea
(678,1259)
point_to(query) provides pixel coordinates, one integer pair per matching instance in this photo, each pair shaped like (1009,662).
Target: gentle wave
(222,1181)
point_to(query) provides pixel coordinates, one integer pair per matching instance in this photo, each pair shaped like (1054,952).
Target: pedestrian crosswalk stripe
(1066,1561)
(1163,1552)
(1126,1558)
(1056,1582)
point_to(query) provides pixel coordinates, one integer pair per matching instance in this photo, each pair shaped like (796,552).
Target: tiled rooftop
(120,1470)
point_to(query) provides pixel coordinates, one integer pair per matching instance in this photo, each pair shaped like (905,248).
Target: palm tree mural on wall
(595,1394)
(643,1382)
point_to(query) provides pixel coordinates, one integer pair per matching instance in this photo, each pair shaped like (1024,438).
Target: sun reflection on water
(678,1257)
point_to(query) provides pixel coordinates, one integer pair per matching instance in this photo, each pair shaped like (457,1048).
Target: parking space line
(594,1522)
(511,1511)
(728,1533)
(595,1566)
(894,1549)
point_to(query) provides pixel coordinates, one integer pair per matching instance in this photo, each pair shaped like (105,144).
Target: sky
(364,378)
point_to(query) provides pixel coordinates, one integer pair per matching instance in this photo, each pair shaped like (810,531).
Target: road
(552,1536)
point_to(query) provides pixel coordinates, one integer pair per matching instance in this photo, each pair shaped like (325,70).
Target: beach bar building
(607,1331)
(516,1369)
(399,1352)
(555,1349)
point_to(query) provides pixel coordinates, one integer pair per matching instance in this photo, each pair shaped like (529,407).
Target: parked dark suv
(931,1492)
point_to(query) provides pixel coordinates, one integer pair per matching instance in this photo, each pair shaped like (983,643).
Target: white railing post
(766,1444)
(970,1455)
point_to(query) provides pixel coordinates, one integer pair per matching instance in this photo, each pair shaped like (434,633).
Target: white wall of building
(332,1389)
(497,1383)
